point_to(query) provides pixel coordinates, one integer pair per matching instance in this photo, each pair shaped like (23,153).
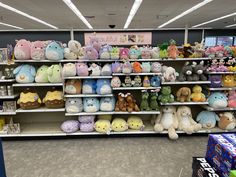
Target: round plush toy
(104,52)
(119,125)
(94,69)
(166,96)
(215,81)
(126,67)
(116,67)
(37,50)
(86,123)
(115,53)
(91,105)
(69,70)
(42,74)
(22,50)
(91,53)
(146,67)
(54,99)
(54,51)
(232,99)
(103,126)
(227,121)
(29,100)
(228,81)
(135,123)
(197,95)
(207,119)
(24,73)
(54,74)
(106,70)
(156,67)
(74,105)
(70,126)
(82,69)
(137,67)
(103,86)
(115,82)
(172,50)
(107,104)
(169,74)
(73,86)
(89,86)
(217,100)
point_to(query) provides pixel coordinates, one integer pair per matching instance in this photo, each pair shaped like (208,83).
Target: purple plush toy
(213,65)
(86,123)
(116,67)
(221,66)
(91,53)
(215,81)
(70,126)
(82,69)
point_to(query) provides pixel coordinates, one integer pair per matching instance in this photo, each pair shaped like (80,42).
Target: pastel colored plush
(156,67)
(103,126)
(217,100)
(42,75)
(104,52)
(155,81)
(54,51)
(89,86)
(86,123)
(91,105)
(103,86)
(74,105)
(106,70)
(91,53)
(68,70)
(37,50)
(107,104)
(135,123)
(115,82)
(116,67)
(207,119)
(73,86)
(70,126)
(119,125)
(146,67)
(54,74)
(95,69)
(22,50)
(24,73)
(82,69)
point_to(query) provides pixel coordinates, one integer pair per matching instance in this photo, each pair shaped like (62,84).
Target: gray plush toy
(74,105)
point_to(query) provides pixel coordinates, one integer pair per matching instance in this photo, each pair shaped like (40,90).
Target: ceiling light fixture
(6,24)
(26,15)
(77,12)
(230,26)
(213,20)
(132,12)
(186,12)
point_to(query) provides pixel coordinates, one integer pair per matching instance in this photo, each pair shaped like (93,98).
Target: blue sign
(2,165)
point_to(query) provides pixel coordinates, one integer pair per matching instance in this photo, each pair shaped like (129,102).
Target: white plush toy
(95,69)
(106,70)
(186,122)
(72,52)
(69,69)
(169,74)
(167,120)
(69,55)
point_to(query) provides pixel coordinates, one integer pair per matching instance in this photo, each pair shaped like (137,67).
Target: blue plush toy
(217,100)
(103,86)
(24,74)
(207,119)
(107,104)
(91,104)
(89,86)
(54,51)
(155,81)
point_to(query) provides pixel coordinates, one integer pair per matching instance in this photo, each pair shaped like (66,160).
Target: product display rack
(222,89)
(186,83)
(184,103)
(113,113)
(136,88)
(7,80)
(41,109)
(135,74)
(37,84)
(87,95)
(89,77)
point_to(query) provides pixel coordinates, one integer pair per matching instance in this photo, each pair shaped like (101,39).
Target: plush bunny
(37,50)
(74,105)
(24,73)
(68,70)
(54,73)
(91,105)
(22,49)
(95,69)
(54,51)
(42,74)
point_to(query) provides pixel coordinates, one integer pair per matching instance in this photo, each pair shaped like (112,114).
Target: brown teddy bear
(183,94)
(121,103)
(131,103)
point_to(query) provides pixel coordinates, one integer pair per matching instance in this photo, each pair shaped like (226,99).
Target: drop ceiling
(151,13)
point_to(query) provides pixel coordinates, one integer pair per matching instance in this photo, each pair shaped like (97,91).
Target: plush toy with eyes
(104,52)
(107,104)
(70,126)
(54,51)
(91,53)
(73,86)
(86,123)
(54,73)
(119,125)
(89,86)
(82,69)
(135,123)
(103,126)
(54,99)
(74,105)
(91,105)
(37,50)
(103,86)
(42,75)
(22,50)
(24,74)
(217,100)
(69,69)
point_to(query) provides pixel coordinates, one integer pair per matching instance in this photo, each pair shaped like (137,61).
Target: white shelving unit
(9,96)
(185,82)
(228,72)
(41,109)
(222,89)
(88,77)
(37,84)
(7,113)
(136,88)
(184,103)
(7,80)
(38,61)
(135,74)
(219,109)
(87,95)
(112,113)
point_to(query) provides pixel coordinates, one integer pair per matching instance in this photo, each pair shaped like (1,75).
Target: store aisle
(103,157)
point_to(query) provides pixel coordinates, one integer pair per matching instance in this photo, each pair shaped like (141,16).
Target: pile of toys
(225,64)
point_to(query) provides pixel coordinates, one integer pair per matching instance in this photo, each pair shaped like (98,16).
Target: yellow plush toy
(2,123)
(135,123)
(103,126)
(197,95)
(54,99)
(29,100)
(119,125)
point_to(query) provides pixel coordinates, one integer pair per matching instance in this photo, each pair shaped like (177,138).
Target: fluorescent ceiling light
(77,12)
(132,12)
(216,19)
(230,26)
(26,15)
(6,24)
(186,12)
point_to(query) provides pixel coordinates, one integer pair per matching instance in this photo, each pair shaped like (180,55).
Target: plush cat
(107,104)
(89,86)
(103,86)
(91,105)
(37,50)
(74,105)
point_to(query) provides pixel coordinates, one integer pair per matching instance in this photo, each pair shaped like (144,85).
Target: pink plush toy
(214,65)
(221,66)
(22,50)
(210,52)
(232,99)
(124,54)
(82,69)
(37,50)
(91,53)
(95,43)
(220,51)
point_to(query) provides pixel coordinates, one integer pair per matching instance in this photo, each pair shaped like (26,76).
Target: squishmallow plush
(54,73)
(82,69)
(54,51)
(54,99)
(106,70)
(24,73)
(116,67)
(207,119)
(103,86)
(42,74)
(37,50)
(86,123)
(91,53)
(70,126)
(119,125)
(91,105)
(74,105)
(89,86)
(29,100)
(73,86)
(107,104)
(103,126)
(22,50)
(217,100)
(115,82)
(68,70)
(104,52)
(94,69)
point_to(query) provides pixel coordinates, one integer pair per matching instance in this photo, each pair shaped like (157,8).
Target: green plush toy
(42,75)
(144,103)
(54,74)
(153,101)
(232,173)
(119,125)
(166,96)
(163,50)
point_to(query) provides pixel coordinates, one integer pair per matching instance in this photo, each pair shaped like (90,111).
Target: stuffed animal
(186,73)
(227,121)
(134,52)
(86,123)
(54,73)
(22,50)
(54,99)
(146,82)
(210,52)
(137,82)
(187,51)
(145,53)
(91,53)
(70,126)
(167,120)
(124,54)
(153,101)
(146,67)
(121,103)
(103,86)
(106,70)
(69,55)
(197,95)
(29,100)
(172,50)
(91,105)
(155,81)
(54,51)
(89,86)
(115,82)
(137,67)
(207,119)
(37,50)
(42,74)
(115,51)
(74,105)
(183,94)
(163,50)
(155,52)
(95,42)
(169,74)
(198,50)
(103,126)
(135,123)
(104,52)
(144,105)
(116,67)
(156,67)
(215,81)
(199,71)
(82,69)
(119,125)
(186,122)
(126,67)
(217,100)
(73,86)
(107,104)
(219,51)
(232,99)
(24,73)
(95,69)
(213,65)
(131,103)
(128,82)
(228,81)
(166,96)
(221,66)
(75,47)
(68,70)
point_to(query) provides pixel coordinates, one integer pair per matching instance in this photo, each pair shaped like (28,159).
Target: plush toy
(54,51)
(221,66)
(89,86)
(115,51)
(166,96)
(91,53)
(82,53)
(68,70)
(197,95)
(163,50)
(95,42)
(119,125)
(183,94)
(146,67)
(104,52)
(155,52)
(70,126)
(228,81)
(107,104)
(232,99)
(91,105)
(219,51)
(121,103)
(82,69)
(213,65)
(29,100)
(126,67)
(210,52)
(103,126)
(199,71)
(233,48)
(144,105)
(153,101)
(75,47)
(217,100)
(137,82)
(135,123)
(73,86)
(137,67)
(116,67)
(128,82)
(22,50)
(186,73)
(167,120)
(187,50)
(86,123)
(24,73)
(115,82)
(198,50)
(186,122)
(215,81)
(42,74)
(103,86)
(74,105)
(124,54)
(54,73)
(155,81)
(146,82)
(106,70)
(172,50)
(156,67)
(131,103)
(37,50)
(227,121)
(169,74)
(69,55)
(207,119)
(145,53)
(54,99)
(134,52)
(95,69)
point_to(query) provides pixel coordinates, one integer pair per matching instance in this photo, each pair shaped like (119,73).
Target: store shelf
(89,77)
(9,96)
(222,89)
(7,113)
(91,61)
(135,74)
(112,113)
(87,95)
(43,109)
(38,61)
(185,59)
(184,103)
(186,82)
(7,80)
(37,84)
(218,109)
(136,88)
(221,73)
(3,64)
